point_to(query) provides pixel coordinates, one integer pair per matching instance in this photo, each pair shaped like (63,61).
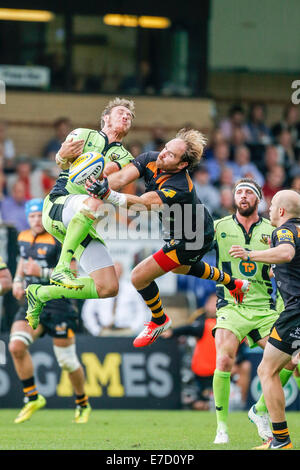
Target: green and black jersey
(228,232)
(95,141)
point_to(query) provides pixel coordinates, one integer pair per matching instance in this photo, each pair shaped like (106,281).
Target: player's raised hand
(236,251)
(98,189)
(18,290)
(32,268)
(71,148)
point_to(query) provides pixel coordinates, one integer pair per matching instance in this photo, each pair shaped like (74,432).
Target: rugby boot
(241,288)
(63,276)
(151,332)
(30,408)
(35,306)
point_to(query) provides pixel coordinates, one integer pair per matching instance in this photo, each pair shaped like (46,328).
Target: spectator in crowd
(62,127)
(206,192)
(3,190)
(235,120)
(216,137)
(270,159)
(157,140)
(32,179)
(290,122)
(218,162)
(243,168)
(286,151)
(226,203)
(274,183)
(123,314)
(7,149)
(238,139)
(257,130)
(226,178)
(204,356)
(295,183)
(13,207)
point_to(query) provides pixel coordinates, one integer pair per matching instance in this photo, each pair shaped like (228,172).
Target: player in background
(256,316)
(283,343)
(168,184)
(39,252)
(5,278)
(69,214)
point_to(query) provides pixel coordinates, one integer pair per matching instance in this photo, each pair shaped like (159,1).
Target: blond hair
(195,143)
(129,104)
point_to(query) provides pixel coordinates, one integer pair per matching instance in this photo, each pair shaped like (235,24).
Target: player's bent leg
(258,413)
(65,353)
(226,347)
(21,337)
(142,278)
(237,287)
(79,215)
(95,261)
(268,371)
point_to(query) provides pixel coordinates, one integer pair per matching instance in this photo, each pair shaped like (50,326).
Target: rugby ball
(86,165)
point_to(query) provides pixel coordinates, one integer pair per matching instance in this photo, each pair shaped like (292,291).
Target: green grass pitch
(130,430)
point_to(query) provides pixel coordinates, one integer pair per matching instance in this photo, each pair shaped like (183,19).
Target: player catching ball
(69,215)
(169,187)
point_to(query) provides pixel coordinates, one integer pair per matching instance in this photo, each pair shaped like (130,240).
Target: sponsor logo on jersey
(42,251)
(265,238)
(168,192)
(114,156)
(247,268)
(285,235)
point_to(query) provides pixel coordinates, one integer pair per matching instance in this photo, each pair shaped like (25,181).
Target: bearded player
(69,215)
(256,316)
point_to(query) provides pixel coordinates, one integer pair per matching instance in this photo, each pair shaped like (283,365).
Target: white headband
(249,186)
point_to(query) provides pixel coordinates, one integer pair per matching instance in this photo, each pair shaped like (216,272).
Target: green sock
(221,389)
(89,291)
(284,376)
(77,231)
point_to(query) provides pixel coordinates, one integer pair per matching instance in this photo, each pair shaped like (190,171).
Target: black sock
(280,431)
(82,400)
(29,389)
(205,271)
(151,296)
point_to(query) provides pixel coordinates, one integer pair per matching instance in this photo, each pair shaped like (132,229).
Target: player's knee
(263,371)
(110,290)
(67,358)
(225,362)
(19,342)
(17,349)
(92,208)
(137,278)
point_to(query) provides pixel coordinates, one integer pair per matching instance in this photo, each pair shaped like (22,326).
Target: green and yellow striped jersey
(228,232)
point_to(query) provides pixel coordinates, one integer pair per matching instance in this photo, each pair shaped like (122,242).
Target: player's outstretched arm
(283,253)
(102,190)
(126,175)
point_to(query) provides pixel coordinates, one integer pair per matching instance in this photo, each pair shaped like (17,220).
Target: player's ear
(183,165)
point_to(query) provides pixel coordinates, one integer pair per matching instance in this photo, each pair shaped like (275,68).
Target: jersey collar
(249,234)
(107,144)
